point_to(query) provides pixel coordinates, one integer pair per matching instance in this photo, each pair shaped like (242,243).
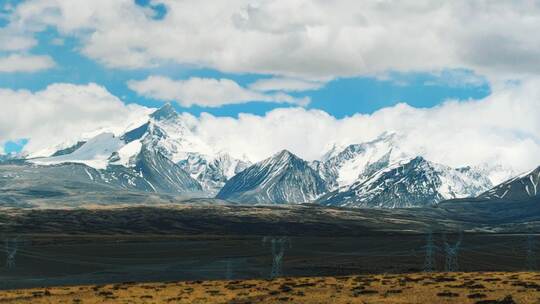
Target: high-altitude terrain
(162,160)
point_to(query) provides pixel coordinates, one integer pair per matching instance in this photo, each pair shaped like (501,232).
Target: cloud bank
(299,38)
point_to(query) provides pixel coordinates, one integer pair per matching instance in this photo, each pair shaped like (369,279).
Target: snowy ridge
(87,136)
(170,134)
(345,167)
(94,153)
(212,171)
(409,183)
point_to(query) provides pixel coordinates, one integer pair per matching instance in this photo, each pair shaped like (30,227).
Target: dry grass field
(480,288)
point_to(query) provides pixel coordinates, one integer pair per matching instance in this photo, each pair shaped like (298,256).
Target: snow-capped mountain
(212,171)
(170,134)
(282,178)
(169,139)
(520,188)
(345,165)
(409,183)
(165,131)
(139,159)
(340,168)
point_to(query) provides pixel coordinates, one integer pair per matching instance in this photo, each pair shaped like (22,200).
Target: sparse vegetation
(477,288)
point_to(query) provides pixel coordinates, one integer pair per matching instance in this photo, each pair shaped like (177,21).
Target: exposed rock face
(282,178)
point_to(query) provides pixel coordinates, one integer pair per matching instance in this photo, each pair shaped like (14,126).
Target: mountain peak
(282,178)
(386,136)
(167,111)
(283,156)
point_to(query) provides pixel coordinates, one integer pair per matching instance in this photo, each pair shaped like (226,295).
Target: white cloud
(285,84)
(457,79)
(25,63)
(321,39)
(16,37)
(206,92)
(15,43)
(63,113)
(503,128)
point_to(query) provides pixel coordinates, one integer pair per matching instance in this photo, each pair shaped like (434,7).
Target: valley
(67,260)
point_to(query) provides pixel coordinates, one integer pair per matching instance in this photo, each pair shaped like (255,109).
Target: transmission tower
(278,246)
(531,253)
(429,260)
(11,250)
(452,251)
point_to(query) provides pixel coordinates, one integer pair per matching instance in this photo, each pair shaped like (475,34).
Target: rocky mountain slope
(282,178)
(520,188)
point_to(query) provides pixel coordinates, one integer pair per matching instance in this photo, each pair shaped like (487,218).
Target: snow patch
(128,152)
(94,153)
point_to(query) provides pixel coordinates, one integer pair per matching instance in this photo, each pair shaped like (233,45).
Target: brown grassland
(474,287)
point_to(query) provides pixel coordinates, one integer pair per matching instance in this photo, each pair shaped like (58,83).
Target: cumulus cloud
(63,114)
(25,63)
(502,128)
(300,38)
(285,84)
(206,92)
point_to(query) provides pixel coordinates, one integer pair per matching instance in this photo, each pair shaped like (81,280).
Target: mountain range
(164,156)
